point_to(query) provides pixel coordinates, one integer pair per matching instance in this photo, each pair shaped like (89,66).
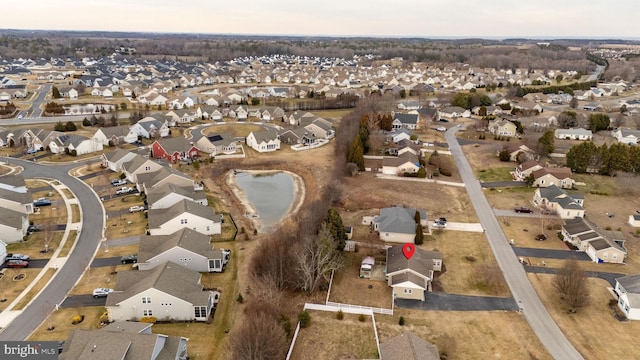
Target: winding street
(523,292)
(77,261)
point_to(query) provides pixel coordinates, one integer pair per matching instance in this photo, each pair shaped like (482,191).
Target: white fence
(300,147)
(354,309)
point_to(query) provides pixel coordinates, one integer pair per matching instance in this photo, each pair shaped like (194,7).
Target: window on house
(183,221)
(146,300)
(207,228)
(147,312)
(408,291)
(200,311)
(147,168)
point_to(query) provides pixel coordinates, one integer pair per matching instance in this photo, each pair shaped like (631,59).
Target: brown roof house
(408,346)
(123,341)
(410,278)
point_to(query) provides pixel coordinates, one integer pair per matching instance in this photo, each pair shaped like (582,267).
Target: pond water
(271,194)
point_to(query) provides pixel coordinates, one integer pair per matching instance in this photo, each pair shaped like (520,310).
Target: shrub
(362,318)
(339,315)
(77,319)
(305,318)
(286,324)
(148,319)
(240,298)
(401,321)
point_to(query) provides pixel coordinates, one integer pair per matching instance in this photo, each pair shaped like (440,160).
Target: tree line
(605,159)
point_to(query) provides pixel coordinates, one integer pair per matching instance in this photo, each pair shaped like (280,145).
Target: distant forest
(480,53)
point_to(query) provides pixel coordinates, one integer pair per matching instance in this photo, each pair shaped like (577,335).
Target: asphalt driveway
(454,302)
(551,253)
(76,301)
(608,276)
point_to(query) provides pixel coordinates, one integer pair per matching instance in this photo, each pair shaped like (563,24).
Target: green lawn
(494,174)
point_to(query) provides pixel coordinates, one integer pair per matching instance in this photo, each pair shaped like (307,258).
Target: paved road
(454,302)
(551,254)
(78,260)
(610,277)
(523,292)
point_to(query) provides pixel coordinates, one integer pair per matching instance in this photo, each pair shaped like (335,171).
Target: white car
(124,190)
(118,182)
(136,208)
(441,128)
(101,292)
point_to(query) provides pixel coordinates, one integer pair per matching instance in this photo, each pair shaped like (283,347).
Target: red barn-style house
(173,149)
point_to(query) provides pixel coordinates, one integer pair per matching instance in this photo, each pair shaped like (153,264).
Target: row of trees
(471,100)
(604,159)
(53,108)
(7,109)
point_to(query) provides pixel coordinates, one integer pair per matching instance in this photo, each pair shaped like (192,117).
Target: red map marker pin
(408,250)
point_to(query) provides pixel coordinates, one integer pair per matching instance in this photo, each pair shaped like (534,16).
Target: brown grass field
(10,289)
(61,320)
(328,338)
(348,288)
(35,289)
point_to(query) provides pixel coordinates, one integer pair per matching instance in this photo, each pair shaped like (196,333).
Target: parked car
(18,257)
(17,264)
(42,202)
(129,259)
(523,209)
(32,151)
(124,190)
(33,228)
(441,128)
(118,182)
(101,292)
(136,208)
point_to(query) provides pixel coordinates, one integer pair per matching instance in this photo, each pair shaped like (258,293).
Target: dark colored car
(33,228)
(17,264)
(129,259)
(523,209)
(42,202)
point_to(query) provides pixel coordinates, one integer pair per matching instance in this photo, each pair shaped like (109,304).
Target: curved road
(523,292)
(66,277)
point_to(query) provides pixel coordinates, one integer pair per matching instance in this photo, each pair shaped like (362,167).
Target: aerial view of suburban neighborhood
(205,195)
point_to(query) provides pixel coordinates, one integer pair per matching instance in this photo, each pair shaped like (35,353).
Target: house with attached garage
(397,135)
(184,214)
(150,127)
(113,160)
(408,346)
(452,112)
(74,145)
(138,165)
(555,200)
(560,177)
(13,182)
(411,277)
(502,127)
(627,290)
(168,194)
(216,144)
(626,136)
(174,149)
(16,201)
(263,140)
(297,136)
(13,225)
(321,128)
(518,152)
(573,134)
(398,224)
(165,175)
(185,247)
(405,163)
(123,340)
(525,169)
(169,292)
(115,135)
(601,245)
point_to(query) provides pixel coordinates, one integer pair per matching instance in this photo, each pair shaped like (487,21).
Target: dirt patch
(349,288)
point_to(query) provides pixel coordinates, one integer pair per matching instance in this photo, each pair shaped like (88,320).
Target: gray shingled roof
(169,278)
(13,180)
(17,197)
(154,245)
(421,261)
(631,283)
(157,193)
(398,220)
(11,218)
(408,346)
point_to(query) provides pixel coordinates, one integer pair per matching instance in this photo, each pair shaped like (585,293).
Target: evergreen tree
(55,93)
(546,142)
(419,239)
(356,153)
(335,226)
(581,156)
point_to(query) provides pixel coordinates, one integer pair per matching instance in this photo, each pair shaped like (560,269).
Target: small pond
(271,194)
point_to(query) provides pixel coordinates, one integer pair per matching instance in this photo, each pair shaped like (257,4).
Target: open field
(349,288)
(465,256)
(98,277)
(328,338)
(468,334)
(10,288)
(510,197)
(592,330)
(107,251)
(513,228)
(36,242)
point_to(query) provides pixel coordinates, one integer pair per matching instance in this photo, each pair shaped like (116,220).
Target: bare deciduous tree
(571,282)
(259,337)
(315,258)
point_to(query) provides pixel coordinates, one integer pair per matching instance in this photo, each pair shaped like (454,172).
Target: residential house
(13,225)
(168,194)
(556,200)
(115,135)
(185,247)
(165,175)
(626,136)
(525,169)
(182,116)
(600,245)
(634,220)
(74,145)
(408,121)
(113,160)
(123,340)
(297,136)
(405,163)
(137,165)
(3,251)
(13,182)
(150,127)
(263,140)
(321,128)
(397,135)
(408,346)
(628,291)
(560,177)
(169,293)
(411,276)
(184,214)
(398,224)
(574,134)
(216,144)
(452,113)
(16,201)
(174,149)
(518,152)
(502,127)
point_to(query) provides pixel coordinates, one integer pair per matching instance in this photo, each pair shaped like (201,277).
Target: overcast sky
(420,18)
